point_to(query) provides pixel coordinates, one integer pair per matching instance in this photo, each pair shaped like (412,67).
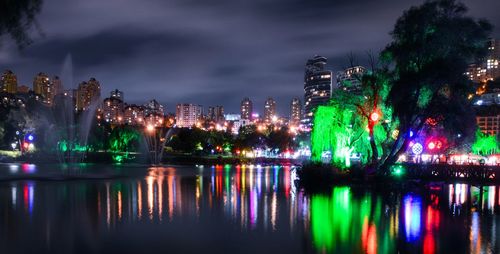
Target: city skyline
(231,61)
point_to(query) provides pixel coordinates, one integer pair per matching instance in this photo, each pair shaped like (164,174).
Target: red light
(431,145)
(374,116)
(26,145)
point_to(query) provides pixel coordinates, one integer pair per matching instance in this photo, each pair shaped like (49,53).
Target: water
(225,209)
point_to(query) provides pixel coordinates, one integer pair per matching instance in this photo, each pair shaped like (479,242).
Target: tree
(16,18)
(485,144)
(431,48)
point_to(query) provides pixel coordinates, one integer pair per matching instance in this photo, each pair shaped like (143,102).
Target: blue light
(411,134)
(30,137)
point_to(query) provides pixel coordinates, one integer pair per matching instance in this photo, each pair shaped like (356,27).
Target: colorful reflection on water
(255,208)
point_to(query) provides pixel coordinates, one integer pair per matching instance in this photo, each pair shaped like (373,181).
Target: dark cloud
(208,52)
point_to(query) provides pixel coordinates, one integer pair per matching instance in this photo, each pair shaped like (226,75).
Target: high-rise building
(317,86)
(87,94)
(112,110)
(154,113)
(295,112)
(43,87)
(188,115)
(134,114)
(350,79)
(487,68)
(493,59)
(8,82)
(269,110)
(246,108)
(216,114)
(57,86)
(117,94)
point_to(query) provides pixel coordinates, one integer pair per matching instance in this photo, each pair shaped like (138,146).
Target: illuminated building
(8,82)
(246,108)
(216,114)
(112,108)
(269,110)
(295,112)
(87,94)
(154,113)
(317,86)
(134,114)
(488,119)
(489,67)
(188,115)
(350,79)
(43,87)
(117,94)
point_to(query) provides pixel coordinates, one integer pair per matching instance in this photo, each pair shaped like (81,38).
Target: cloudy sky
(209,52)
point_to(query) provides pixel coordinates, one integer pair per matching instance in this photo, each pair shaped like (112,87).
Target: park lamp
(374,117)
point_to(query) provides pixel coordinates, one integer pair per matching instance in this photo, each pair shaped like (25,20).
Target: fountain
(69,130)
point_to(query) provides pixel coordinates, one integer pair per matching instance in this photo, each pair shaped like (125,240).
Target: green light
(398,170)
(485,144)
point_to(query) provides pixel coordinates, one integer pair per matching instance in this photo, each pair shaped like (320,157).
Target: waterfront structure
(295,112)
(246,109)
(188,115)
(8,82)
(350,79)
(269,110)
(317,86)
(87,94)
(216,114)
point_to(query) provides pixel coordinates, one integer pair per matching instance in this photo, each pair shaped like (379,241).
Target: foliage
(431,48)
(123,139)
(485,144)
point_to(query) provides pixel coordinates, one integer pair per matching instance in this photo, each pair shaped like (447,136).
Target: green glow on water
(343,220)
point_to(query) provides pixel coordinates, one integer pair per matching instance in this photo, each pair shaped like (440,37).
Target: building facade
(246,109)
(216,114)
(188,115)
(350,79)
(295,112)
(317,86)
(269,110)
(87,94)
(8,82)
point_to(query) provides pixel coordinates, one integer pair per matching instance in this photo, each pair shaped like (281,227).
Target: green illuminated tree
(431,48)
(485,144)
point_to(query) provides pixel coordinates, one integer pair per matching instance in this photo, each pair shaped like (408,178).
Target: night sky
(208,52)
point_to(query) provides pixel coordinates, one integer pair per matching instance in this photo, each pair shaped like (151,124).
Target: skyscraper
(350,79)
(317,86)
(57,86)
(216,114)
(246,109)
(117,94)
(295,112)
(493,59)
(8,82)
(269,110)
(188,115)
(43,87)
(87,93)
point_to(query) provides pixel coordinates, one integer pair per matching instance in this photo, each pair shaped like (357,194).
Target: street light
(374,117)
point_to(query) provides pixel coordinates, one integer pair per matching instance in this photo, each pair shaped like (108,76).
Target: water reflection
(247,200)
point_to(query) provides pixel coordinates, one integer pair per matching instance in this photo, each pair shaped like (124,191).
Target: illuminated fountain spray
(156,138)
(69,130)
